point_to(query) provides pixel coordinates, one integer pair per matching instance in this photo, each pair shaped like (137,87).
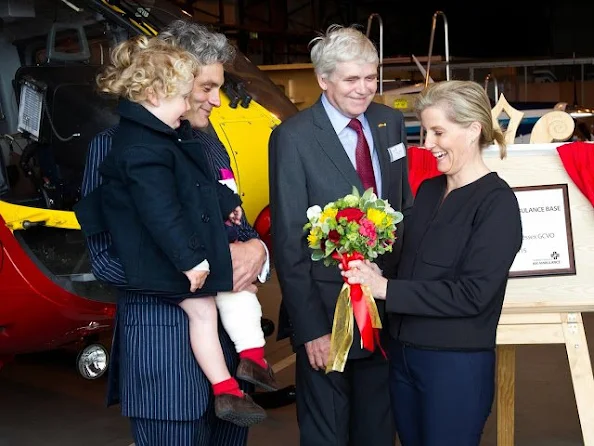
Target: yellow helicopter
(51,51)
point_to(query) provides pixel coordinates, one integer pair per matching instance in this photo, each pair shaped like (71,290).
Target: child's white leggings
(241,316)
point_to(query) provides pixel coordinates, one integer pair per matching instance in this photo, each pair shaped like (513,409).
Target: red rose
(351,214)
(334,236)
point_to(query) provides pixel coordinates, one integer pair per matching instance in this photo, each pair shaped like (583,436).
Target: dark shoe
(267,327)
(274,400)
(249,371)
(238,410)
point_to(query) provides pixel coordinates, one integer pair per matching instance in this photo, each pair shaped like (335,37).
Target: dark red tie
(363,157)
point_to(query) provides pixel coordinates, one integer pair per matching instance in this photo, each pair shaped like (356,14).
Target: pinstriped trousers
(207,431)
(139,371)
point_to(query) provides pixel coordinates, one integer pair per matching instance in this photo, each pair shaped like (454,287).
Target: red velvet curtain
(578,160)
(421,165)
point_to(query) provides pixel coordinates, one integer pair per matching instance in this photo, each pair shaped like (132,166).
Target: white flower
(389,209)
(314,212)
(351,200)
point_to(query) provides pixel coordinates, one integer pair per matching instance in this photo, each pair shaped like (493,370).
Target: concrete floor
(45,403)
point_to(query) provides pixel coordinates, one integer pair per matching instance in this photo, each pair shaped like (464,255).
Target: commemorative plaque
(547,242)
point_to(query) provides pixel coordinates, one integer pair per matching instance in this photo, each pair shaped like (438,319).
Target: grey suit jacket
(308,166)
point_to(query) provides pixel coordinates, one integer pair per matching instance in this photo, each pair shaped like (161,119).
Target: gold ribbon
(343,326)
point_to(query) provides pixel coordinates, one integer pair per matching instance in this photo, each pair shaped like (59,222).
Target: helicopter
(49,111)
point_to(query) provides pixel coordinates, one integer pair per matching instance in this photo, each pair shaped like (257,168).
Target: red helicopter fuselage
(35,312)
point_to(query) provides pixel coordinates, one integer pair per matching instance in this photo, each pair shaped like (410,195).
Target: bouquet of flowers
(355,227)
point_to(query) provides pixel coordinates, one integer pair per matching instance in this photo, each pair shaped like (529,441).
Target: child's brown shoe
(254,373)
(240,410)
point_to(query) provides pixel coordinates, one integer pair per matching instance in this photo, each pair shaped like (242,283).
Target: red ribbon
(369,335)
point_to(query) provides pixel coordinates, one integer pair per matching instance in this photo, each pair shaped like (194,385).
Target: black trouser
(344,409)
(440,398)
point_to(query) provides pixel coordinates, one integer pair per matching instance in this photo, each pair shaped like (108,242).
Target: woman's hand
(367,273)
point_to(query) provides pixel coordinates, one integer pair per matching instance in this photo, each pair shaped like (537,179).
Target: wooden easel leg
(581,372)
(506,381)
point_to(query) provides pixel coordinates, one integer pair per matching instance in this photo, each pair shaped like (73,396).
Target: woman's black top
(454,265)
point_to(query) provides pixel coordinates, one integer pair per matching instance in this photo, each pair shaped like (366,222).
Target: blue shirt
(104,266)
(348,138)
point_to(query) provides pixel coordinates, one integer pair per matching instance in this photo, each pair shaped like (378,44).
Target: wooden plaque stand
(547,309)
(524,326)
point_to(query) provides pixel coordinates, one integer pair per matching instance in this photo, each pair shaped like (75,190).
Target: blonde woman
(445,300)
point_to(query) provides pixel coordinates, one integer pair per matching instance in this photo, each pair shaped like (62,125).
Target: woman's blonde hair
(463,102)
(140,65)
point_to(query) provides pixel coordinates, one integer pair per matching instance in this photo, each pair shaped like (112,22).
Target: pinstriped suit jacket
(153,373)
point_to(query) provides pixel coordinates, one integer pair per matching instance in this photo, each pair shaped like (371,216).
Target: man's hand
(196,278)
(248,259)
(318,352)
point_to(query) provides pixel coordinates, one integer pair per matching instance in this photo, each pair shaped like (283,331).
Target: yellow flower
(314,237)
(328,213)
(377,217)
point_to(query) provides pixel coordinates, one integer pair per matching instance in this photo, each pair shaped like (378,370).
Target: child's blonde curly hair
(141,65)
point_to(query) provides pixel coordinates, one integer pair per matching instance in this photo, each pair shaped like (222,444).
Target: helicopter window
(61,254)
(66,43)
(29,33)
(99,49)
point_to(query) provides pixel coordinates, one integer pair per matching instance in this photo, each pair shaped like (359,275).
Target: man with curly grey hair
(153,373)
(212,51)
(316,157)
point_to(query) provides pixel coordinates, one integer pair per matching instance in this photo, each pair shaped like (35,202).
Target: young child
(159,77)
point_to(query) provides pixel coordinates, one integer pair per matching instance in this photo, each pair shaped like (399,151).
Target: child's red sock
(229,386)
(256,355)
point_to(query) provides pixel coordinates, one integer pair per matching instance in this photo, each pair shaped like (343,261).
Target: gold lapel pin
(381,124)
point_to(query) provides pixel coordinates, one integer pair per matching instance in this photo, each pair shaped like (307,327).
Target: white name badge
(396,152)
